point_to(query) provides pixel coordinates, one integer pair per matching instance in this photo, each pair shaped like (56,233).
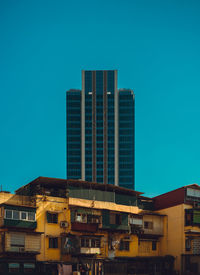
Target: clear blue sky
(155,45)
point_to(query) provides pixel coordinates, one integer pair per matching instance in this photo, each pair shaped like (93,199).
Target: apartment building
(91,228)
(182,238)
(19,241)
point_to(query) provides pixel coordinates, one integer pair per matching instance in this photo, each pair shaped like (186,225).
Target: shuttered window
(17,241)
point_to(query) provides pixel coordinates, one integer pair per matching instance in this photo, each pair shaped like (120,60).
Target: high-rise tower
(100,130)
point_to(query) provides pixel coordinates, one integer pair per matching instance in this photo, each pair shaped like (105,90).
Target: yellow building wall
(61,206)
(55,205)
(145,249)
(173,242)
(133,246)
(157,224)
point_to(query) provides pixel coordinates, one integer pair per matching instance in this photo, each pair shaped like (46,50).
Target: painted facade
(90,228)
(182,236)
(56,226)
(19,241)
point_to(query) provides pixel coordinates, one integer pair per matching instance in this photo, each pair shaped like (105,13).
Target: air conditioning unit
(64,224)
(21,249)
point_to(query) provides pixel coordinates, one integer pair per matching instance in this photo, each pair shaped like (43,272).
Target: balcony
(85,220)
(19,217)
(136,224)
(74,245)
(114,221)
(192,217)
(90,250)
(153,225)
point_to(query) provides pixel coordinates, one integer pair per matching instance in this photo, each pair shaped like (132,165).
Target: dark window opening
(52,217)
(124,245)
(53,242)
(154,245)
(188,244)
(148,225)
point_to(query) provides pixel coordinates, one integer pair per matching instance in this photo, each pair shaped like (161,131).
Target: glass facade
(101,115)
(111,127)
(74,134)
(99,127)
(88,126)
(126,138)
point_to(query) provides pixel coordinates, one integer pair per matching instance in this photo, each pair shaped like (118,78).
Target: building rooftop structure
(65,183)
(178,196)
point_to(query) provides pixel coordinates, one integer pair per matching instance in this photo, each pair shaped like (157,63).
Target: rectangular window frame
(7,211)
(124,245)
(21,213)
(12,211)
(154,245)
(148,225)
(52,218)
(53,242)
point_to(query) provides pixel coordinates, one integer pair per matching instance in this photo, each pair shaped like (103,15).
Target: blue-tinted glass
(110,81)
(99,83)
(73,134)
(126,139)
(88,81)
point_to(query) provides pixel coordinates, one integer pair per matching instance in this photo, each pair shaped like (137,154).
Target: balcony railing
(90,250)
(77,226)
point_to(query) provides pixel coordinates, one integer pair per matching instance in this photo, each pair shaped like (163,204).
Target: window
(23,215)
(81,218)
(188,217)
(187,244)
(124,245)
(52,217)
(93,219)
(29,268)
(115,218)
(148,225)
(8,214)
(17,242)
(31,216)
(135,220)
(53,242)
(90,242)
(13,267)
(19,215)
(154,245)
(16,215)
